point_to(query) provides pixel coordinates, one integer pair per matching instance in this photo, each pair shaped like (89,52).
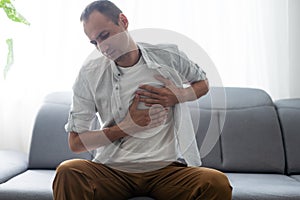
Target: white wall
(294,47)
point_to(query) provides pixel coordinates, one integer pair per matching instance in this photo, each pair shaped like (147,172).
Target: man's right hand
(138,120)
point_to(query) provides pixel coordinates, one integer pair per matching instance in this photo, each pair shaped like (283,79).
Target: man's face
(111,39)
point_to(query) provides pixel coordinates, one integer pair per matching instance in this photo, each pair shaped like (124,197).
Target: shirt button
(120,108)
(119,74)
(117,88)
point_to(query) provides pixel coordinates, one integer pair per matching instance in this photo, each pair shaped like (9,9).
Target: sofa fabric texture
(12,163)
(289,116)
(239,131)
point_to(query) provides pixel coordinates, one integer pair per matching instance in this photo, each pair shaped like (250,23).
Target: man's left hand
(167,96)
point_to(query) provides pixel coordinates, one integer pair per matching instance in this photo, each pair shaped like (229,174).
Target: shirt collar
(150,63)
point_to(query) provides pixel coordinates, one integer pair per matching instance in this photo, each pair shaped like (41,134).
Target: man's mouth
(109,53)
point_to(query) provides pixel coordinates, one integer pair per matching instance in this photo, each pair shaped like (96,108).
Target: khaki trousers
(79,179)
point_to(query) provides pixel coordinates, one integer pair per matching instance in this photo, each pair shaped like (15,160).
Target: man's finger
(159,120)
(162,79)
(149,88)
(157,110)
(135,101)
(148,94)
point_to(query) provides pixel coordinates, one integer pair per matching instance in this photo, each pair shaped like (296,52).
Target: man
(146,141)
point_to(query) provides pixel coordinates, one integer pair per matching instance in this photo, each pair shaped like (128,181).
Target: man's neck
(129,59)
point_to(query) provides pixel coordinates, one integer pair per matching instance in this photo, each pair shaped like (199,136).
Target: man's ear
(123,21)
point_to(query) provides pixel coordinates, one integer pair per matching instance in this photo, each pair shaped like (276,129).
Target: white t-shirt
(150,146)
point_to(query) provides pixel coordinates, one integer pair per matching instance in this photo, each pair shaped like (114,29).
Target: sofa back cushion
(239,131)
(289,116)
(49,143)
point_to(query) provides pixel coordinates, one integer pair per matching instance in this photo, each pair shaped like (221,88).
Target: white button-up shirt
(96,91)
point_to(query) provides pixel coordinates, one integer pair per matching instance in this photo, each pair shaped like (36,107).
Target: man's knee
(70,181)
(68,170)
(217,182)
(68,165)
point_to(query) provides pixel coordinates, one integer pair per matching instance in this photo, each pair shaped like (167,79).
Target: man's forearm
(91,140)
(195,91)
(135,121)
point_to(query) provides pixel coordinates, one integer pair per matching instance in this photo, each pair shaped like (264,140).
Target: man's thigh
(105,182)
(180,182)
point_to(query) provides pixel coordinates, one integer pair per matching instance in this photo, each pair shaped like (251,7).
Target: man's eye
(105,36)
(99,39)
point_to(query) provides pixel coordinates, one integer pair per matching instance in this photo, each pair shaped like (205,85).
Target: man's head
(105,7)
(106,27)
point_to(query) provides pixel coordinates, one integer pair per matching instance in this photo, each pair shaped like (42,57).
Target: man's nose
(103,47)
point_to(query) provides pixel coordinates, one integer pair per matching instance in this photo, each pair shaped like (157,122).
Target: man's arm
(170,94)
(93,139)
(135,121)
(195,91)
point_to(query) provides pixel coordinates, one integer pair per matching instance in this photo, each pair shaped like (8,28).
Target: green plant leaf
(10,57)
(12,13)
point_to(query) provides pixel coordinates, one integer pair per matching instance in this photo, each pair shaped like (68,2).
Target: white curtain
(247,40)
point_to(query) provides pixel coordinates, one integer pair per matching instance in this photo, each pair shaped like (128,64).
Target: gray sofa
(254,140)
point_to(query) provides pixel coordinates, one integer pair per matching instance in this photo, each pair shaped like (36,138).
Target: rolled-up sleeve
(83,109)
(189,70)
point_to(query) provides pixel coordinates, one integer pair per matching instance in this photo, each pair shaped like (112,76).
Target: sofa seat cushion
(296,177)
(12,163)
(264,187)
(30,185)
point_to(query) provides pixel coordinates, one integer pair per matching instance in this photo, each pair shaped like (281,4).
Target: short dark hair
(105,7)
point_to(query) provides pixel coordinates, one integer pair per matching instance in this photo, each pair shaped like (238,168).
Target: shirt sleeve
(190,72)
(83,109)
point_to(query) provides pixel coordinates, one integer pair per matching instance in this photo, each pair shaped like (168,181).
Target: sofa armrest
(12,164)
